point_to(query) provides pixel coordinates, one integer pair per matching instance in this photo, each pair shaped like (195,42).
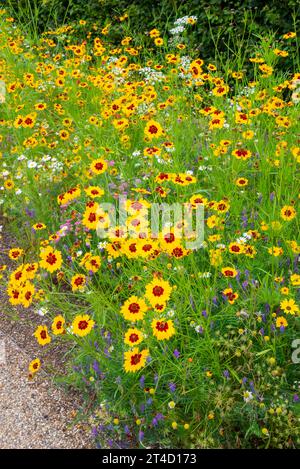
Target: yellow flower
(15,253)
(82,325)
(133,337)
(153,129)
(34,366)
(58,325)
(78,282)
(288,212)
(51,259)
(158,291)
(134,308)
(135,359)
(158,41)
(281,322)
(42,335)
(98,166)
(162,329)
(289,306)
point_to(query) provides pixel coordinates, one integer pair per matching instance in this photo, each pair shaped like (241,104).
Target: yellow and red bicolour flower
(58,325)
(82,325)
(153,129)
(135,359)
(281,322)
(131,248)
(34,366)
(15,253)
(236,248)
(242,153)
(288,212)
(98,166)
(147,247)
(158,291)
(15,295)
(133,337)
(42,335)
(289,306)
(39,226)
(231,295)
(51,259)
(198,199)
(94,191)
(230,272)
(30,270)
(134,308)
(177,251)
(249,251)
(242,182)
(162,329)
(93,264)
(27,294)
(78,282)
(222,206)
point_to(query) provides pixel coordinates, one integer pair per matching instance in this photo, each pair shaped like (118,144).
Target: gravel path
(33,413)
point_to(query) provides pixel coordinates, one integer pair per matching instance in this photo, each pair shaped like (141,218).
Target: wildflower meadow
(153,200)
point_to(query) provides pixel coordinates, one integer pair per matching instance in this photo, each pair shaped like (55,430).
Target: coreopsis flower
(158,291)
(153,129)
(242,153)
(82,325)
(134,308)
(162,329)
(230,295)
(288,212)
(94,191)
(34,366)
(93,264)
(78,282)
(58,325)
(98,166)
(15,253)
(42,335)
(281,322)
(135,359)
(51,259)
(27,293)
(39,226)
(230,272)
(242,182)
(133,337)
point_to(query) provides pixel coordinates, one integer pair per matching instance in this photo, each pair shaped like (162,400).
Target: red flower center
(162,326)
(82,325)
(169,237)
(157,291)
(135,359)
(153,129)
(92,217)
(51,258)
(134,308)
(133,338)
